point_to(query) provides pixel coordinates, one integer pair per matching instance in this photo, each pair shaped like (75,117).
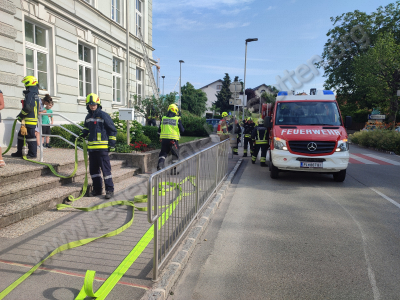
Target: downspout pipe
(128,127)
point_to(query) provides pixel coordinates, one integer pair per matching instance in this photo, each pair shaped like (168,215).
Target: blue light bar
(283,93)
(328,92)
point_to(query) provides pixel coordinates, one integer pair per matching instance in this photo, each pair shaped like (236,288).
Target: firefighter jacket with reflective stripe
(169,128)
(260,135)
(224,127)
(31,106)
(248,129)
(175,132)
(101,130)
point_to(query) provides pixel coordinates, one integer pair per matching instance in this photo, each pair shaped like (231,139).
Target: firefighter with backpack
(248,126)
(260,137)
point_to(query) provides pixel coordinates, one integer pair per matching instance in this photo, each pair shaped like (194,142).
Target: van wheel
(339,176)
(274,171)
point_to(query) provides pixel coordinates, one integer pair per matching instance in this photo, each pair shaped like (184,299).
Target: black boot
(253,162)
(245,155)
(263,164)
(160,165)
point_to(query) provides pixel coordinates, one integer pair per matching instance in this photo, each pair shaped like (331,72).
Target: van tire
(274,171)
(339,176)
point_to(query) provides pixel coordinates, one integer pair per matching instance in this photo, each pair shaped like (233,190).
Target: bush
(152,133)
(388,140)
(194,125)
(141,138)
(121,138)
(59,143)
(123,148)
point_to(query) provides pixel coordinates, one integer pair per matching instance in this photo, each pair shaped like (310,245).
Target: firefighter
(29,114)
(170,130)
(260,136)
(248,129)
(237,131)
(223,126)
(102,138)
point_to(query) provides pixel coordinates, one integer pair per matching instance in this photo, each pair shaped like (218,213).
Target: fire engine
(307,133)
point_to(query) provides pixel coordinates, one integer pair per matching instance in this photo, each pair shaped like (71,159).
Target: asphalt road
(302,236)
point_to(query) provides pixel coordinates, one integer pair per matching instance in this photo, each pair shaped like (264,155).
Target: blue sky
(209,35)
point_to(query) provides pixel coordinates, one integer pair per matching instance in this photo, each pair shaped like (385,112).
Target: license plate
(306,164)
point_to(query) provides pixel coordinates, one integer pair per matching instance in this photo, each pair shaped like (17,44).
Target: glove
(111,149)
(82,135)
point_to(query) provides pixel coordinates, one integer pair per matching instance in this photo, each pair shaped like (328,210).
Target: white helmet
(260,121)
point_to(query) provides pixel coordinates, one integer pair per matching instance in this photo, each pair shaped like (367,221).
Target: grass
(185,139)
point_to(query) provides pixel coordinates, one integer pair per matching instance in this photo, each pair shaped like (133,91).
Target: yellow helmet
(30,81)
(174,108)
(224,114)
(92,99)
(249,119)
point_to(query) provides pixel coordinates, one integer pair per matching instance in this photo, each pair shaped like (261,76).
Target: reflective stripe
(24,113)
(98,147)
(28,140)
(112,138)
(162,157)
(94,120)
(108,177)
(95,175)
(261,142)
(247,135)
(98,142)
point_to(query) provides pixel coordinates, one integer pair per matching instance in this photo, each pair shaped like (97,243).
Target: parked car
(214,123)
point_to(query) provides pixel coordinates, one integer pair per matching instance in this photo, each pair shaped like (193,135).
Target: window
(85,64)
(219,87)
(116,10)
(37,54)
(139,10)
(139,84)
(117,80)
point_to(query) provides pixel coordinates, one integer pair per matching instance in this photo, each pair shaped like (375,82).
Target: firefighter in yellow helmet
(223,124)
(260,137)
(248,129)
(102,138)
(170,132)
(29,114)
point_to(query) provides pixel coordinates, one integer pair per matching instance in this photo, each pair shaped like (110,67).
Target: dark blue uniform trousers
(100,160)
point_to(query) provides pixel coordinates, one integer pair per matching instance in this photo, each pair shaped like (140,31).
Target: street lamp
(180,77)
(163,84)
(244,80)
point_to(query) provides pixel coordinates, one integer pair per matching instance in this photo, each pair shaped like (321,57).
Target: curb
(172,271)
(375,149)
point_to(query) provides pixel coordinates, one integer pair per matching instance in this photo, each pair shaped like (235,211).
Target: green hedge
(152,133)
(388,140)
(194,125)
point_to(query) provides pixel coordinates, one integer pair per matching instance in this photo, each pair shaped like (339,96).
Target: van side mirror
(347,122)
(267,122)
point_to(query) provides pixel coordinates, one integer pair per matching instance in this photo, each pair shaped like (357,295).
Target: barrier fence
(178,193)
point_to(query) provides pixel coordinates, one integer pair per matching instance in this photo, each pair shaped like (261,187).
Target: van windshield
(307,113)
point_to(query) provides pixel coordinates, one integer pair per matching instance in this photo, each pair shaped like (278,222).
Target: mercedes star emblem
(312,146)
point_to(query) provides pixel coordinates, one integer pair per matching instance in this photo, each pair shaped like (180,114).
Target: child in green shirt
(46,120)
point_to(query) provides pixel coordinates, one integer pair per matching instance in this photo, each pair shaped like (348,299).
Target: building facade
(211,91)
(74,47)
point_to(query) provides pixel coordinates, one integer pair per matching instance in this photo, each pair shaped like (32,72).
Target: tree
(378,73)
(160,106)
(224,95)
(193,100)
(353,35)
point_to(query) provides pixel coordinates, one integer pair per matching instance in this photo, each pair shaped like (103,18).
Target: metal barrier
(171,217)
(50,135)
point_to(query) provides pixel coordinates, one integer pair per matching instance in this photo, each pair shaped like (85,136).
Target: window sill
(81,101)
(117,105)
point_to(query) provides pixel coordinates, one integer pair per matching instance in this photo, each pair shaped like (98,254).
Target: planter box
(147,161)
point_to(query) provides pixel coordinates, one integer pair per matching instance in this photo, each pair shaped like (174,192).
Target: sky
(209,36)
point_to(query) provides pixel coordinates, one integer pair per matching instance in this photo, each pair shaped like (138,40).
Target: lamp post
(244,81)
(163,84)
(180,77)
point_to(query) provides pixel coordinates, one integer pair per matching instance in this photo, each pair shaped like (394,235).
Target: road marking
(386,197)
(353,161)
(72,274)
(378,161)
(392,162)
(363,160)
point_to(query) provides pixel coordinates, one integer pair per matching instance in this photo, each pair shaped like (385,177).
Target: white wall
(211,92)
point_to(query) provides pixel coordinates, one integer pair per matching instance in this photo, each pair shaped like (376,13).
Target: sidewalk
(25,243)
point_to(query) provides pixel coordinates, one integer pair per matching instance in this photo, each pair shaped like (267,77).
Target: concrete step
(27,186)
(18,167)
(24,207)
